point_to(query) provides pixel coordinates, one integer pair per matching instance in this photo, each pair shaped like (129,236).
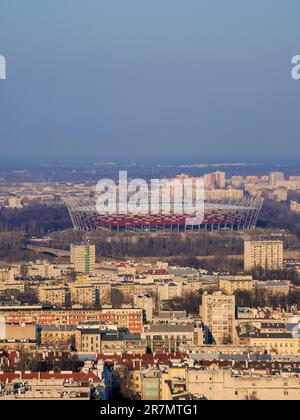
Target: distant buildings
(83,256)
(275,177)
(267,255)
(14,203)
(215,180)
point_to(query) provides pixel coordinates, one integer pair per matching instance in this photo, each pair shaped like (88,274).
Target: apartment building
(85,295)
(53,295)
(232,284)
(168,338)
(145,302)
(102,340)
(276,177)
(218,316)
(57,336)
(215,180)
(83,257)
(227,384)
(273,287)
(48,385)
(130,318)
(267,255)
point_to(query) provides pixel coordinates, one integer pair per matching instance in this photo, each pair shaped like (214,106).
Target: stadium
(242,215)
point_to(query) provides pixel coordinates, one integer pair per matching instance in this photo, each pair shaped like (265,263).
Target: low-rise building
(232,284)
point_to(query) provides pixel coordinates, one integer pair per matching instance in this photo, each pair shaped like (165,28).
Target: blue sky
(169,79)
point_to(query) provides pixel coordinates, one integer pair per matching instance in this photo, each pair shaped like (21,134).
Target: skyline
(207,82)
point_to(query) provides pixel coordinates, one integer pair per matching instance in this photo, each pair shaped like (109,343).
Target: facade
(130,318)
(57,336)
(83,256)
(215,180)
(276,343)
(267,255)
(227,384)
(274,287)
(276,177)
(85,295)
(232,284)
(145,302)
(167,338)
(218,317)
(234,214)
(98,340)
(19,332)
(53,295)
(47,385)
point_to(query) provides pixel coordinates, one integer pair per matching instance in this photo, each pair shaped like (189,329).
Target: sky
(190,80)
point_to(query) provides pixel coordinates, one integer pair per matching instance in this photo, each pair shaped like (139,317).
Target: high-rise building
(83,256)
(218,317)
(145,302)
(215,180)
(267,255)
(276,177)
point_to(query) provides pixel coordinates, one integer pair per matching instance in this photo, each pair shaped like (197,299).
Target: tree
(117,298)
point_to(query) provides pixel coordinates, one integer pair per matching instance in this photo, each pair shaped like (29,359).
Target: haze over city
(137,80)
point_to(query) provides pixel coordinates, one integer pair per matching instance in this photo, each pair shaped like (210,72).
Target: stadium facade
(217,215)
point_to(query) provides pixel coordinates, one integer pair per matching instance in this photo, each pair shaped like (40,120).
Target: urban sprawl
(152,309)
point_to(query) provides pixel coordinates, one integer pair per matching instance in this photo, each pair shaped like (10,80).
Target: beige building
(19,332)
(43,269)
(218,317)
(167,338)
(83,294)
(16,286)
(267,255)
(145,302)
(53,295)
(48,385)
(276,343)
(102,286)
(215,180)
(274,287)
(57,336)
(228,194)
(276,177)
(83,257)
(232,284)
(224,384)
